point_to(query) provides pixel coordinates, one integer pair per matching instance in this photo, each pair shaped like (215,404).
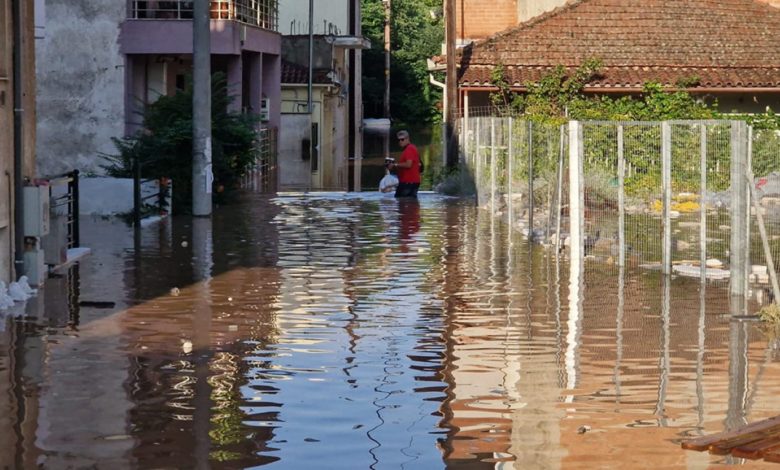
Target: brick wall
(479,19)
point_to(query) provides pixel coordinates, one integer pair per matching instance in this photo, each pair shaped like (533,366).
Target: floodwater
(355,331)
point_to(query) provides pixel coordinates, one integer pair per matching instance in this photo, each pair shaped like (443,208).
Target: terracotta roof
(725,43)
(294,73)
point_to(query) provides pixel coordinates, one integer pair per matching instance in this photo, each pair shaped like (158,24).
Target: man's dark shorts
(407,189)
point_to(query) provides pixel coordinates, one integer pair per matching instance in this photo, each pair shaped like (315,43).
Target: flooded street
(355,331)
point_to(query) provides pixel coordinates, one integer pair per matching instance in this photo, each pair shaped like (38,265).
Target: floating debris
(689,270)
(770,313)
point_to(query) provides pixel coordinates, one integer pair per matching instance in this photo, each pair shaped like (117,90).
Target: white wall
(330,17)
(527,9)
(108,196)
(294,172)
(80,78)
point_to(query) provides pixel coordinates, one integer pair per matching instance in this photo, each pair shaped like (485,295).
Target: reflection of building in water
(190,380)
(20,367)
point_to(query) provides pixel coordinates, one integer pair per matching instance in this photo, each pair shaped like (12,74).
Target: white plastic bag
(388,183)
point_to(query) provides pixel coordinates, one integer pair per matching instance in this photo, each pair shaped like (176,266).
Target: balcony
(260,13)
(165,27)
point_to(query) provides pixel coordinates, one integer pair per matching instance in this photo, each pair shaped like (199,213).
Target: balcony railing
(261,13)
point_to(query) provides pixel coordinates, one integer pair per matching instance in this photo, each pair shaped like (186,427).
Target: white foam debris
(689,270)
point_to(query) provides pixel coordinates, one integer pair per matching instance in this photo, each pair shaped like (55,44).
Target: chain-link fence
(517,169)
(654,195)
(765,164)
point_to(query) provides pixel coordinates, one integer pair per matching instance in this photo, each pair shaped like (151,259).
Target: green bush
(164,145)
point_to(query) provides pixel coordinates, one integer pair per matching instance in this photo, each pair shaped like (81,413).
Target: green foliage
(559,96)
(417,33)
(164,146)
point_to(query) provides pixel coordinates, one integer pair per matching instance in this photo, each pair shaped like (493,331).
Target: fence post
(621,198)
(75,195)
(666,184)
(739,203)
(137,191)
(509,169)
(702,205)
(559,191)
(492,167)
(477,159)
(530,180)
(576,196)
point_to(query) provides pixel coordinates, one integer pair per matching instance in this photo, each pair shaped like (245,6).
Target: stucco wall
(80,85)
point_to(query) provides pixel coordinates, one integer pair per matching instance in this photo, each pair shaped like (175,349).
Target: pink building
(156,40)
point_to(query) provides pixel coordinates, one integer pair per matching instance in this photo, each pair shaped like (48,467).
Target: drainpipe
(18,138)
(445,142)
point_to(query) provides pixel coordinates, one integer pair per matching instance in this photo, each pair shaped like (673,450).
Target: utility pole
(202,177)
(452,84)
(311,59)
(388,15)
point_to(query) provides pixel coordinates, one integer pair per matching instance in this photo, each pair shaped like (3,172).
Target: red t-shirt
(409,175)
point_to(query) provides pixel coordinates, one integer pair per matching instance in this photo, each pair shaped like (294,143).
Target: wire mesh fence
(765,164)
(653,195)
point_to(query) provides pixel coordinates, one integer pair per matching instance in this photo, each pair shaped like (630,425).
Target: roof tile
(726,43)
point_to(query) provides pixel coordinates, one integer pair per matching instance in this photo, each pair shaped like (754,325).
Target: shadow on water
(357,331)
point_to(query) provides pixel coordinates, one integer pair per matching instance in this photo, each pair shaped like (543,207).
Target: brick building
(477,19)
(731,48)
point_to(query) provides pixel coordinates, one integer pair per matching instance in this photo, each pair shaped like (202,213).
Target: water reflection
(355,331)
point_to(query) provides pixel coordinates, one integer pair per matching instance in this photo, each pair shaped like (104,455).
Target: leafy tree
(164,145)
(417,33)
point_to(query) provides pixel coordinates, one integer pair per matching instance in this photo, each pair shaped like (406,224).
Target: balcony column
(234,82)
(272,86)
(255,64)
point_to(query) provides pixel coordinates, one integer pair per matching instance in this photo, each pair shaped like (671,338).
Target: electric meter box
(265,110)
(36,201)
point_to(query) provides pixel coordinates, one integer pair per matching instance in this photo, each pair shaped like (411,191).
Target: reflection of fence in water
(644,182)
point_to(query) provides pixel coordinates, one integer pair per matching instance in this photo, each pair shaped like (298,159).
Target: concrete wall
(108,196)
(330,17)
(80,78)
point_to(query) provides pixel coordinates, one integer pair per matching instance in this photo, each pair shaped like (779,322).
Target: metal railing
(261,175)
(70,200)
(159,197)
(260,13)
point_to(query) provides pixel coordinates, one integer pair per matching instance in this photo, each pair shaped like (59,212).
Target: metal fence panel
(657,195)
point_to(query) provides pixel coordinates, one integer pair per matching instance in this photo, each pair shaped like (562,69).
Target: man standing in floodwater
(408,167)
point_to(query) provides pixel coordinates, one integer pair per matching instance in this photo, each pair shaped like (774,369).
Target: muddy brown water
(354,331)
